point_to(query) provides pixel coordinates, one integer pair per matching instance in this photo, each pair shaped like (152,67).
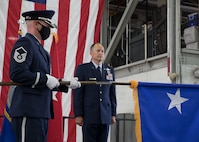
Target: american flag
(78,24)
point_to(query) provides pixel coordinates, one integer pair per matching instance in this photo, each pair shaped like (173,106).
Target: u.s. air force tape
(20,55)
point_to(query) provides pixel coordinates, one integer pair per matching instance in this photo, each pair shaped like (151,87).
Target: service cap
(44,15)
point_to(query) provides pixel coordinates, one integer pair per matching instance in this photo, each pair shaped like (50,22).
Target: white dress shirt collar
(97,65)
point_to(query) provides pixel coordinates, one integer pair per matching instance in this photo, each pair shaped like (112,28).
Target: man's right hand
(79,120)
(74,83)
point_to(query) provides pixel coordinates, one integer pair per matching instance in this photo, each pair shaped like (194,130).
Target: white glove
(52,82)
(74,83)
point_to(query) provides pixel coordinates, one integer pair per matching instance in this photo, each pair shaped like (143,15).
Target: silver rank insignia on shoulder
(20,55)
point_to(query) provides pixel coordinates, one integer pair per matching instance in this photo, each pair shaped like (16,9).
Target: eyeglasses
(43,25)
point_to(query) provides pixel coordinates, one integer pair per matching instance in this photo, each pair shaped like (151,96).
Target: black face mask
(44,32)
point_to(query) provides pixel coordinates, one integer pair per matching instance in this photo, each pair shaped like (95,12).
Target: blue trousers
(95,132)
(28,129)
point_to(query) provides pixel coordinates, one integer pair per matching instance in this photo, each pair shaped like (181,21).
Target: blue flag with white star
(166,112)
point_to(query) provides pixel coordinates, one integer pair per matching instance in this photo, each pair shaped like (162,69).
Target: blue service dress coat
(29,65)
(96,103)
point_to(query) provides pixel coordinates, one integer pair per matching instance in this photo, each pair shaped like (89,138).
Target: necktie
(99,71)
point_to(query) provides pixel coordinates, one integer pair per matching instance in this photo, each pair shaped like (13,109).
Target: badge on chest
(109,75)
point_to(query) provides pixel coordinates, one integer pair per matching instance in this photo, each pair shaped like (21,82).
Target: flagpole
(97,82)
(68,83)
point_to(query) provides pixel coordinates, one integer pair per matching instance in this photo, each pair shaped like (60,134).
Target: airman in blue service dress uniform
(31,105)
(95,105)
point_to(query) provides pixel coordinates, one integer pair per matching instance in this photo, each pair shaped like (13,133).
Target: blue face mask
(44,32)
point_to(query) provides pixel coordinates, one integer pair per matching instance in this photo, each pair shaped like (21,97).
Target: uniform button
(100,92)
(100,85)
(100,99)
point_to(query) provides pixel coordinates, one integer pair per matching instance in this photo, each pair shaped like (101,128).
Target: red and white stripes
(78,24)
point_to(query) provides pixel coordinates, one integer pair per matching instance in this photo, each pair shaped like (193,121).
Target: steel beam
(120,29)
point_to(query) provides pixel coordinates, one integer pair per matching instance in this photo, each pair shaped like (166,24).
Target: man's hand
(113,120)
(74,83)
(79,120)
(52,82)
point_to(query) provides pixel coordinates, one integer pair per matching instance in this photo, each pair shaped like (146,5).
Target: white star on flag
(176,100)
(54,96)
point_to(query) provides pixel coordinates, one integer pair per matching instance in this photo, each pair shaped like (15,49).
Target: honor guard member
(31,105)
(95,105)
